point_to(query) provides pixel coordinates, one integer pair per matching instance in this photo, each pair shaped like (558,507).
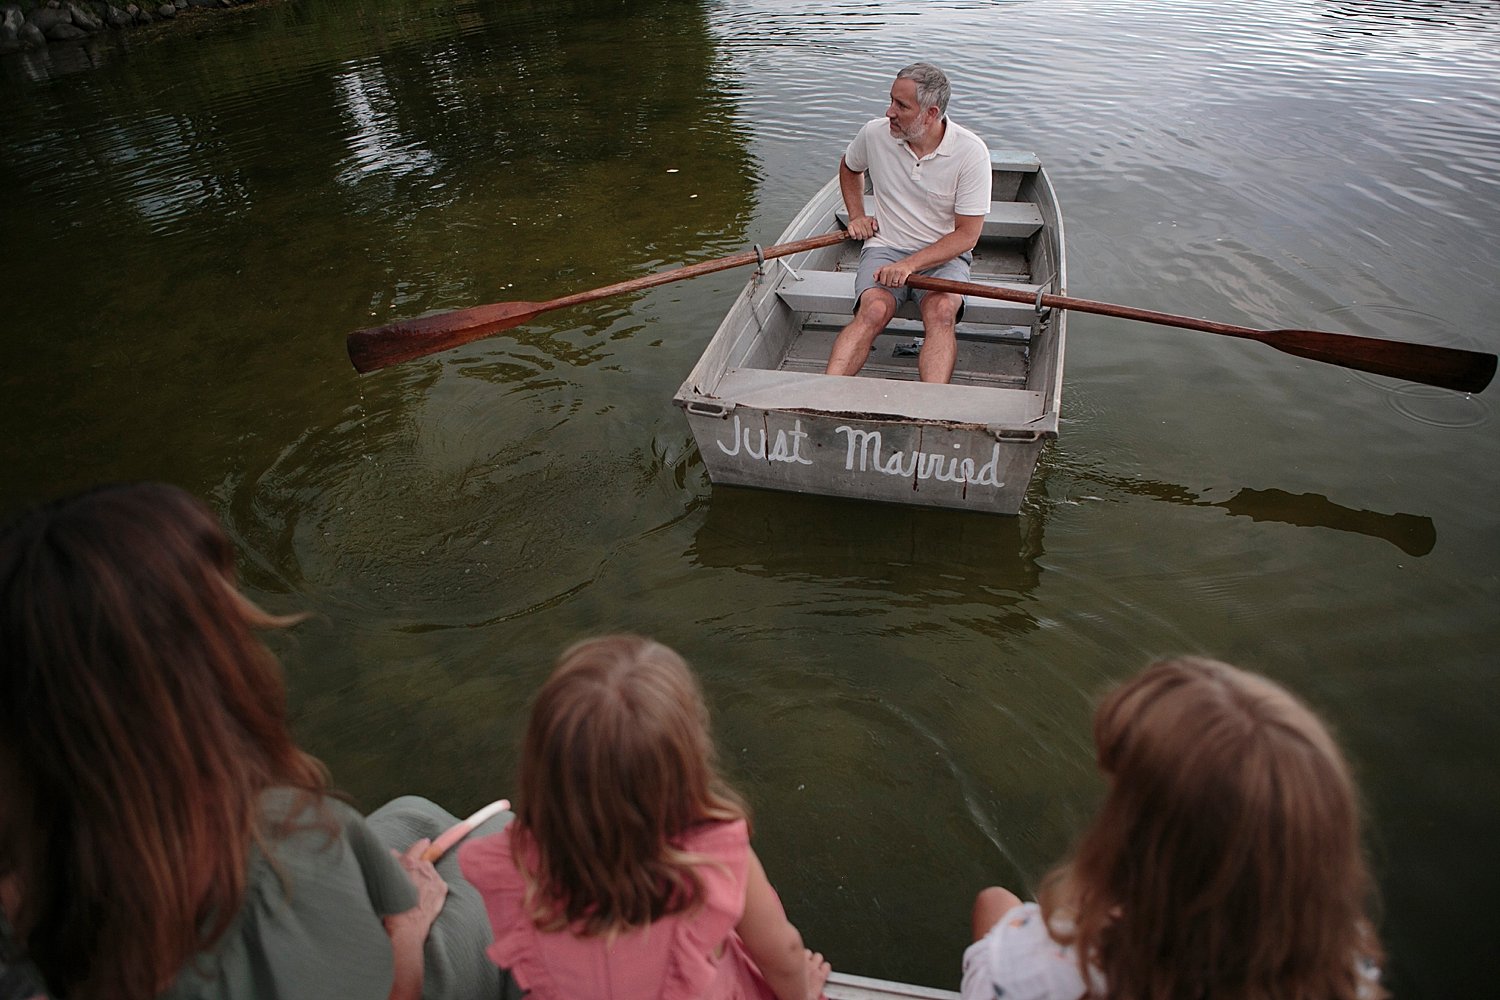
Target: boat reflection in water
(1411,533)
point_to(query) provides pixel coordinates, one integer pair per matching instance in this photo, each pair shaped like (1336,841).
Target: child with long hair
(1225,862)
(628,871)
(161,834)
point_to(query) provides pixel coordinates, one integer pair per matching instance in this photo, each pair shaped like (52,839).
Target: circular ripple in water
(1423,403)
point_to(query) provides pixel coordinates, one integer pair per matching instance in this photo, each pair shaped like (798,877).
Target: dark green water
(193,222)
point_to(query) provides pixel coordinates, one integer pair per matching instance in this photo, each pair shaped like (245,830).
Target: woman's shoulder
(316,888)
(300,817)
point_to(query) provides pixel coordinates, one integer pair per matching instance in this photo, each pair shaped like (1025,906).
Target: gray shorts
(871,259)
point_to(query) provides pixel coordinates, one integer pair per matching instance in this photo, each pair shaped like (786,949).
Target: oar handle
(382,346)
(694,270)
(1051,301)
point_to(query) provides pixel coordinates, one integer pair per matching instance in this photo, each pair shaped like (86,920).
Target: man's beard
(913,134)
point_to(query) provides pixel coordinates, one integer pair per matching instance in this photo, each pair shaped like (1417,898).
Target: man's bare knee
(852,346)
(941,309)
(875,306)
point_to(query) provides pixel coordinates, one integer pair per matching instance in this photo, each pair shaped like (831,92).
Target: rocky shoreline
(61,21)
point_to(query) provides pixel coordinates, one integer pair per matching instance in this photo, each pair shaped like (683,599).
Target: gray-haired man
(931,181)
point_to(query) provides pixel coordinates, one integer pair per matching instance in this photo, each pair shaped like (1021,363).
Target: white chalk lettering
(865,455)
(893,467)
(988,471)
(781,451)
(868,443)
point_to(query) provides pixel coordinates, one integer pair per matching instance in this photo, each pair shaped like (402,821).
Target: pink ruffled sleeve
(490,867)
(703,934)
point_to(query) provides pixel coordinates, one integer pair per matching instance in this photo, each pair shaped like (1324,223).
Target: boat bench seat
(1005,220)
(1014,160)
(833,292)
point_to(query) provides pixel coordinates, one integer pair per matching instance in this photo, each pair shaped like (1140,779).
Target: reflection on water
(193,225)
(912,557)
(376,143)
(1412,534)
(1379,17)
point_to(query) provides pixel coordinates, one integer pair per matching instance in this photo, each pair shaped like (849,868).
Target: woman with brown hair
(628,871)
(1225,862)
(160,831)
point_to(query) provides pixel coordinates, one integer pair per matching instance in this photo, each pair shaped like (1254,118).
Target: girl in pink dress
(627,873)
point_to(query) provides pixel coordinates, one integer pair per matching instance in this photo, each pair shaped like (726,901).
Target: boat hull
(925,463)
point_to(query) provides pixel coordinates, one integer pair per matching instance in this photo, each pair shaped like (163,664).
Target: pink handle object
(459,831)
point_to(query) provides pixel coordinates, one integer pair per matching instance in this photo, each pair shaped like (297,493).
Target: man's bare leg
(852,346)
(939,343)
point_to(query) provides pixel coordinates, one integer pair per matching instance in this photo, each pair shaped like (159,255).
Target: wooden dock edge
(842,986)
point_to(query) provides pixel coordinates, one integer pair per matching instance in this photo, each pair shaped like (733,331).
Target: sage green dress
(310,927)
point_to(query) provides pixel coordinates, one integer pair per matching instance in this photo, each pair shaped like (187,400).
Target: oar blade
(382,346)
(1445,367)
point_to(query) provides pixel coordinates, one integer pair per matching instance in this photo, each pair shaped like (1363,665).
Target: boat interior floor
(986,355)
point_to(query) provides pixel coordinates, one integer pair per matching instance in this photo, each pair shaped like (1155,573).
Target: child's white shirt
(1018,960)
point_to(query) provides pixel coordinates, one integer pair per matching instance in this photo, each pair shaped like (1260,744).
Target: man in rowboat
(931,179)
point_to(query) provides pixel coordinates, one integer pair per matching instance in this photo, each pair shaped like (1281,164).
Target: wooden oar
(403,340)
(1448,367)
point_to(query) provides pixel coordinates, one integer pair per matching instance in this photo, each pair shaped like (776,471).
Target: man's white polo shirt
(916,199)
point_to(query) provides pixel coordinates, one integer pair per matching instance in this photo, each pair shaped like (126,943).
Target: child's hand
(817,974)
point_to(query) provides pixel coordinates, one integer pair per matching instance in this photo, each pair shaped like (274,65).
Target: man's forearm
(852,187)
(944,250)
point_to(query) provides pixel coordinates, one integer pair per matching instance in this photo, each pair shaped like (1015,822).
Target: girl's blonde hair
(1226,859)
(617,764)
